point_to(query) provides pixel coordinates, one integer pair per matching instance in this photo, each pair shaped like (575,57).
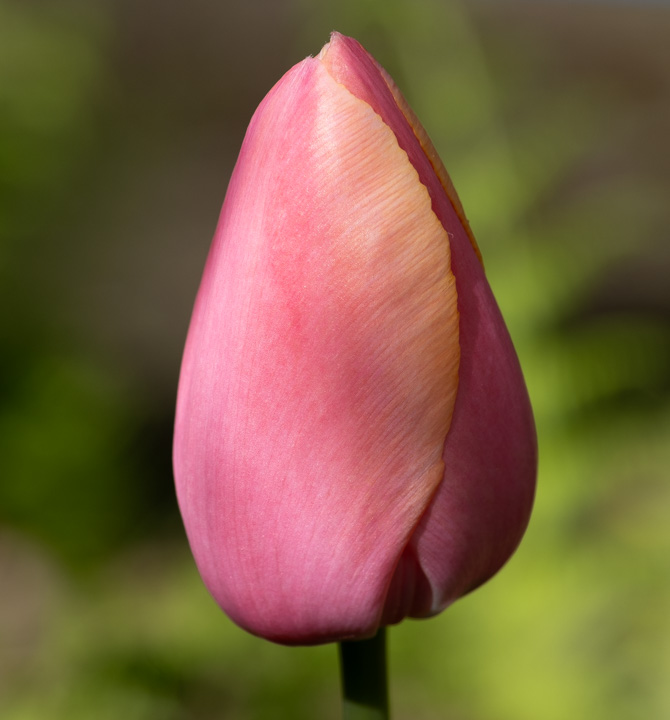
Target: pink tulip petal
(320,372)
(481,509)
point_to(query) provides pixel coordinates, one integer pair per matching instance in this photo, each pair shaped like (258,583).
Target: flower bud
(354,442)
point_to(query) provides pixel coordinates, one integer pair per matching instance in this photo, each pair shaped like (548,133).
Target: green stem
(363,672)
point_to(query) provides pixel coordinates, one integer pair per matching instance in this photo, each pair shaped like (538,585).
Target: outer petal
(481,508)
(320,372)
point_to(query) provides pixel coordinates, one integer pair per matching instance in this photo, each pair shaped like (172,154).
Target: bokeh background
(120,121)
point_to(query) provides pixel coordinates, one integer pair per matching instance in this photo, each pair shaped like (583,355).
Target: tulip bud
(354,442)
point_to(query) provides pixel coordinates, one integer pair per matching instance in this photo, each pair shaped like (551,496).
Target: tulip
(354,442)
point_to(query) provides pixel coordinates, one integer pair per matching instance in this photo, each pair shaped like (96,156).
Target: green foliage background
(119,125)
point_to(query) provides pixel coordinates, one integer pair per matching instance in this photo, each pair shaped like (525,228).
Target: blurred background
(120,122)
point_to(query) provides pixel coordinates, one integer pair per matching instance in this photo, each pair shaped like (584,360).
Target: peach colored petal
(434,159)
(320,372)
(354,67)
